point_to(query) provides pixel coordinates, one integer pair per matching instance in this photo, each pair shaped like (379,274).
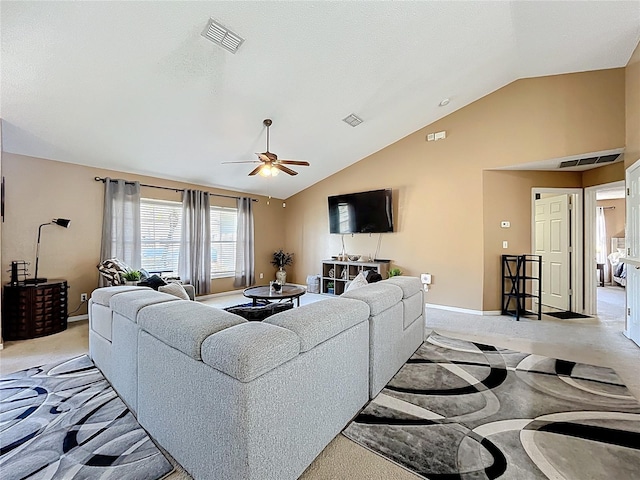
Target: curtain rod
(609,208)
(99,179)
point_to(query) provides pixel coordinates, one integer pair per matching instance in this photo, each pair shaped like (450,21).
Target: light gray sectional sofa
(231,399)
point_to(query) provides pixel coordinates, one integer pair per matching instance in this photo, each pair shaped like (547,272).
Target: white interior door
(552,242)
(633,252)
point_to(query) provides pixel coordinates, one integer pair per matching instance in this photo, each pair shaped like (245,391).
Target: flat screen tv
(364,212)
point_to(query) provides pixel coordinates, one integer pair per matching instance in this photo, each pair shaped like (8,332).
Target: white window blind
(223,241)
(160,226)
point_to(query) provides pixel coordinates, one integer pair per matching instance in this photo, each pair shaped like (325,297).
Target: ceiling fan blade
(255,170)
(263,157)
(244,161)
(284,169)
(294,162)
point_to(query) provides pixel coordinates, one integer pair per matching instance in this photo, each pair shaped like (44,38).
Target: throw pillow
(154,281)
(174,289)
(374,277)
(359,281)
(112,269)
(144,274)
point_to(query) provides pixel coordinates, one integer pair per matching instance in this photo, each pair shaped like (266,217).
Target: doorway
(605,218)
(557,220)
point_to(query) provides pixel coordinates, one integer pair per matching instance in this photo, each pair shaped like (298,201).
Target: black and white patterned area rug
(64,421)
(463,410)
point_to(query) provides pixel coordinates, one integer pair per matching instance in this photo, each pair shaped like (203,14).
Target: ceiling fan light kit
(271,164)
(267,171)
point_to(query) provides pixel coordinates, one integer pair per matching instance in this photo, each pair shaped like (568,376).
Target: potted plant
(281,260)
(132,277)
(330,288)
(394,272)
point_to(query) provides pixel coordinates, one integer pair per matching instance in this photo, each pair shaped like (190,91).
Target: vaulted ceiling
(135,87)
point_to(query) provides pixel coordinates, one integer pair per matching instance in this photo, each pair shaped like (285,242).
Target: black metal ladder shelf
(521,278)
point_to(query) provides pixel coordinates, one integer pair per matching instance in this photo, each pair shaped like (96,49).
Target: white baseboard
(78,318)
(221,294)
(464,310)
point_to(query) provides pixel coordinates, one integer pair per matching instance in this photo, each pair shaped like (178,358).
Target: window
(161,227)
(223,241)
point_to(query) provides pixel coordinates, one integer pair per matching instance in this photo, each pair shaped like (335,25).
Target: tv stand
(338,273)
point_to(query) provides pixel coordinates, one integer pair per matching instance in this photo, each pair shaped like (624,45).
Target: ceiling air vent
(589,161)
(222,36)
(352,120)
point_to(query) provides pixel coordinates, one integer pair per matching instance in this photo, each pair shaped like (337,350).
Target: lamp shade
(63,222)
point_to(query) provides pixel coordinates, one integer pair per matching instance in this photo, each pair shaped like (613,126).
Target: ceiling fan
(270,164)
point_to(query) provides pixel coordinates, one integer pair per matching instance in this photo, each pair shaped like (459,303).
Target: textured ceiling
(133,86)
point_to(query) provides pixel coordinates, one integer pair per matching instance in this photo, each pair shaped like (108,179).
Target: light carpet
(63,420)
(466,410)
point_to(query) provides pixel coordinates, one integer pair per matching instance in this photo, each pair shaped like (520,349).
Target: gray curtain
(245,262)
(121,223)
(194,261)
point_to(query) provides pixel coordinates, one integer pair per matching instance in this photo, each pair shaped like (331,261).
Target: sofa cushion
(101,321)
(128,304)
(409,285)
(413,309)
(379,296)
(249,350)
(102,296)
(319,321)
(184,324)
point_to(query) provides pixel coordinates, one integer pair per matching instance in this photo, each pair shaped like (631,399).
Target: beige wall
(632,88)
(601,175)
(438,186)
(38,190)
(507,196)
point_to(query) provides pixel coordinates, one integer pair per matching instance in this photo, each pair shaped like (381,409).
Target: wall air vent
(352,120)
(222,36)
(589,161)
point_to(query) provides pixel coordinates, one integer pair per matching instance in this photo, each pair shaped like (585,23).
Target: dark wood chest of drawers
(31,311)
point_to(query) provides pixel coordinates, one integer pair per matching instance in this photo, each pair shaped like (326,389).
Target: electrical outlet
(262,275)
(83,297)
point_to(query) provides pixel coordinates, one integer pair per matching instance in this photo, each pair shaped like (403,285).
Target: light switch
(505,244)
(505,224)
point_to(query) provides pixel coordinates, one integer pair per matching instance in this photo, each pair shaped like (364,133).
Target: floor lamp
(62,222)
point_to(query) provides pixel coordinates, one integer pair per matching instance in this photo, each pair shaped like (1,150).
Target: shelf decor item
(61,222)
(330,288)
(281,260)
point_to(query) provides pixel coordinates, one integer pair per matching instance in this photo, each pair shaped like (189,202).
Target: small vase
(281,276)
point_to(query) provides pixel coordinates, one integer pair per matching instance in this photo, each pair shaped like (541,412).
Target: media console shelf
(339,273)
